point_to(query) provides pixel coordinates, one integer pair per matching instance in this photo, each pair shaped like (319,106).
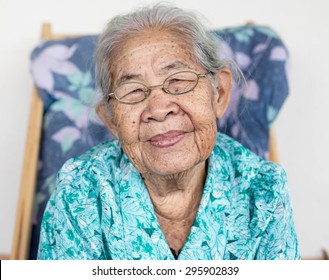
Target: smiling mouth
(167,139)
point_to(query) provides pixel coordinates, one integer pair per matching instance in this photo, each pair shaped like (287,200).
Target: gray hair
(179,22)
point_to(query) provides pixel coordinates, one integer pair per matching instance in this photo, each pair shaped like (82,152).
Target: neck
(177,197)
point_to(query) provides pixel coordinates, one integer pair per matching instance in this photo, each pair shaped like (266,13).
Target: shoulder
(84,177)
(100,160)
(71,220)
(81,183)
(257,203)
(107,151)
(249,172)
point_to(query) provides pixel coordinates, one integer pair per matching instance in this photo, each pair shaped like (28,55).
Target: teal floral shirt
(101,210)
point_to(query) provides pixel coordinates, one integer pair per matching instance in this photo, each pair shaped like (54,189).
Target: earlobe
(223,91)
(104,114)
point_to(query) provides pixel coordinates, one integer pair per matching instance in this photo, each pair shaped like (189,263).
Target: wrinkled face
(163,134)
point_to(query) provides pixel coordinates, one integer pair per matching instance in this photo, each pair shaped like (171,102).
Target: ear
(223,91)
(103,111)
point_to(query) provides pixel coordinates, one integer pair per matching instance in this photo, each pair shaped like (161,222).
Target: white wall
(302,126)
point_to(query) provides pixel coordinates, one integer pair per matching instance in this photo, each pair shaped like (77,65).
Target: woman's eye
(173,81)
(137,90)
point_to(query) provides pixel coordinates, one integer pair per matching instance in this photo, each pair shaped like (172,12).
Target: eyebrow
(128,77)
(174,65)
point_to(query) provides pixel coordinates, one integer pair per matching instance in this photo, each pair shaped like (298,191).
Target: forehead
(153,39)
(158,51)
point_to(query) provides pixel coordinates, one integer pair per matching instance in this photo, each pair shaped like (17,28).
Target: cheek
(204,121)
(127,123)
(205,139)
(128,132)
(128,126)
(201,111)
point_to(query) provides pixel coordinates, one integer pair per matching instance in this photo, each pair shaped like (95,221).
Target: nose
(159,106)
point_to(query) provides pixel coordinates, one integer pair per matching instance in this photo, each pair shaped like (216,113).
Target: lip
(167,139)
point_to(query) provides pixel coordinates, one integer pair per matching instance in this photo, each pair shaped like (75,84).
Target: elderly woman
(170,187)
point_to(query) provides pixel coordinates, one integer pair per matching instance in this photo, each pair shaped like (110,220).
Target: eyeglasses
(176,84)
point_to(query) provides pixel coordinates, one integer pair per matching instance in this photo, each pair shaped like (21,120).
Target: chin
(173,169)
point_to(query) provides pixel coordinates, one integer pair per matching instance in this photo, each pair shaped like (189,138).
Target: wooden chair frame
(23,225)
(22,231)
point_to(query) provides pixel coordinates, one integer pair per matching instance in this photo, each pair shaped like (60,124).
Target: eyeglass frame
(150,88)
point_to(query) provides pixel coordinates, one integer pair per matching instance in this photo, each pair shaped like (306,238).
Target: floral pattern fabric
(101,210)
(63,72)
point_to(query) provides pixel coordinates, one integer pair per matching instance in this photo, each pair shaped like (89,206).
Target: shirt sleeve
(279,240)
(71,219)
